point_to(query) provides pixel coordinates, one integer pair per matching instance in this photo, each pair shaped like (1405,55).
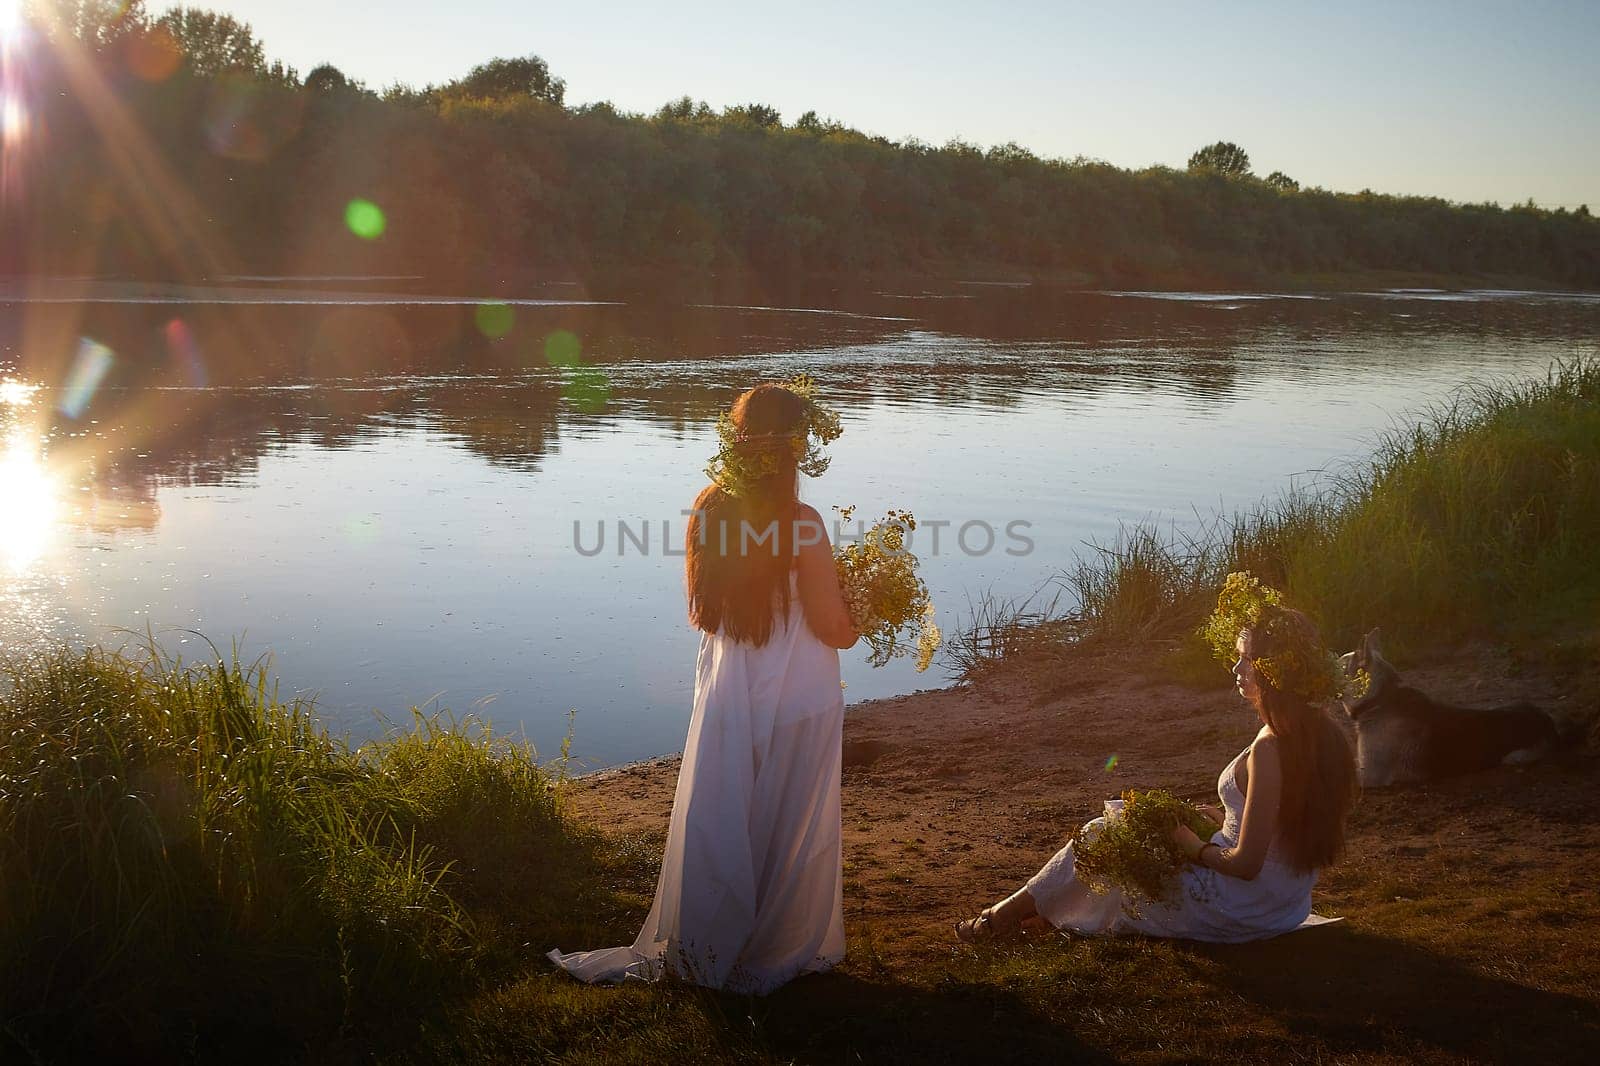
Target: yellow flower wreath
(1304,667)
(740,463)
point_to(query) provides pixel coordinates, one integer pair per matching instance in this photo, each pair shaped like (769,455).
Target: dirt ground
(953,797)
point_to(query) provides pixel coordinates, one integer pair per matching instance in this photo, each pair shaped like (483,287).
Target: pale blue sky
(1468,100)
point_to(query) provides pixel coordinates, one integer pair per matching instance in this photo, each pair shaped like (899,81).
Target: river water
(401,496)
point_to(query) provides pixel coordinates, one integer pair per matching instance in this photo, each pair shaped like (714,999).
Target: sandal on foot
(977,930)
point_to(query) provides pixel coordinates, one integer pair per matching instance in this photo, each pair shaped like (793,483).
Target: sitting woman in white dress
(1284,798)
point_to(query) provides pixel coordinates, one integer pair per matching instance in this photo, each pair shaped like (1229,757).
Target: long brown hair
(1319,767)
(740,549)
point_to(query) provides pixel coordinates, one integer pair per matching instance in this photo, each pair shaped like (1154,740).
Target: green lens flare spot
(562,348)
(365,219)
(586,387)
(361,529)
(494,320)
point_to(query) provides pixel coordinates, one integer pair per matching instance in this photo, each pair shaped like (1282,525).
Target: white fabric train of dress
(750,891)
(1210,906)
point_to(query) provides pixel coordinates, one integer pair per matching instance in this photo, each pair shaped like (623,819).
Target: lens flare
(14,121)
(1111,764)
(29,491)
(361,528)
(16,393)
(245,120)
(365,219)
(30,495)
(562,348)
(586,387)
(184,352)
(89,368)
(494,320)
(153,56)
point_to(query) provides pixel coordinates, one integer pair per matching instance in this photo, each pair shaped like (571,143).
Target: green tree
(683,109)
(96,24)
(527,76)
(327,78)
(280,73)
(213,43)
(599,108)
(408,96)
(1010,152)
(1282,182)
(754,115)
(1224,157)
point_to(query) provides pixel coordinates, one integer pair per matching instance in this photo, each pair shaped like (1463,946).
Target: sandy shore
(953,797)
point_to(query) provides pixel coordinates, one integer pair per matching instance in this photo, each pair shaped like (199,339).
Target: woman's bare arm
(820,598)
(1263,789)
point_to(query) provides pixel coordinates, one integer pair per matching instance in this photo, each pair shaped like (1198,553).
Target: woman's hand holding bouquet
(878,577)
(1137,848)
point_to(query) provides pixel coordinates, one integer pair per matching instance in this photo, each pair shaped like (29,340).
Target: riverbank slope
(1455,894)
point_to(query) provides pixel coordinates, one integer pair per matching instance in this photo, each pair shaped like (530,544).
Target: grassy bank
(188,862)
(1478,521)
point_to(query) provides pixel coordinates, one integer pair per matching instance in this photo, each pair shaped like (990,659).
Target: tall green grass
(185,858)
(1481,518)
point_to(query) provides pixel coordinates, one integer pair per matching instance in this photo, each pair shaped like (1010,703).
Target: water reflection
(383,492)
(30,493)
(199,397)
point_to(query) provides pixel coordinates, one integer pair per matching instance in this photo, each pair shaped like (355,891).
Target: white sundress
(750,894)
(1210,905)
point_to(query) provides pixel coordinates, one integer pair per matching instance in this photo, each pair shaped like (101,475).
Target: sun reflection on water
(16,394)
(29,493)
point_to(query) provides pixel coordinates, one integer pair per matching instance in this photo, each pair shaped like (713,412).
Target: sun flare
(28,491)
(13,120)
(16,393)
(31,502)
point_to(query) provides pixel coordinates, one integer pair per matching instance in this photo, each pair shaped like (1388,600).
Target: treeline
(171,147)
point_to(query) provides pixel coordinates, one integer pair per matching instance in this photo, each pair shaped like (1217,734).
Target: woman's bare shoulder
(1265,746)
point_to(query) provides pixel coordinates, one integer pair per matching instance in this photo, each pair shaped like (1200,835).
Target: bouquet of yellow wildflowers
(878,576)
(1133,849)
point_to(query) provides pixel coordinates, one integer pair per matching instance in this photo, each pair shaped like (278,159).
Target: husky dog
(1404,736)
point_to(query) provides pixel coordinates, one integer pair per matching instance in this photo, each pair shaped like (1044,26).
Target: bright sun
(27,489)
(30,495)
(16,393)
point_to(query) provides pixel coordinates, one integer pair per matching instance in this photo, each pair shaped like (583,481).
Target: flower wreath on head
(1303,667)
(742,460)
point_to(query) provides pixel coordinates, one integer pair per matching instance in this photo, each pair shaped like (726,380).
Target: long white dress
(750,892)
(1209,905)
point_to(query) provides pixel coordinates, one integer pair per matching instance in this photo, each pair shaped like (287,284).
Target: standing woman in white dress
(1284,798)
(750,890)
